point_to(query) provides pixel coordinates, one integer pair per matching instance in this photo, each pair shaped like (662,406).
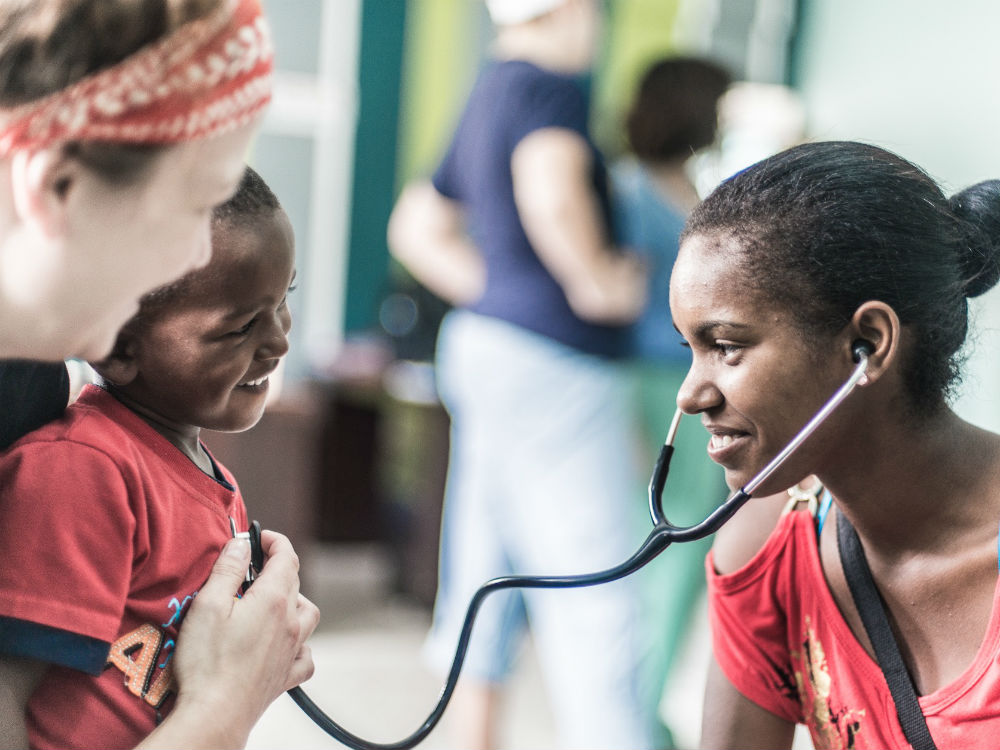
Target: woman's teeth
(252,383)
(721,441)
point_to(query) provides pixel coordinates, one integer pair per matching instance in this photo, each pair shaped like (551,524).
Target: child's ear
(121,366)
(40,183)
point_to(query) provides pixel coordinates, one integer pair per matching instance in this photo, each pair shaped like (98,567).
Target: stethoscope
(662,536)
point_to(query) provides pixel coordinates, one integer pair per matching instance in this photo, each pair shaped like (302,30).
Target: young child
(114,514)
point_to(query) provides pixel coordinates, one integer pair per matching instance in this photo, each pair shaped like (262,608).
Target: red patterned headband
(208,76)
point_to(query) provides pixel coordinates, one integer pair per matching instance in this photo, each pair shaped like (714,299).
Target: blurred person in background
(119,132)
(673,117)
(513,230)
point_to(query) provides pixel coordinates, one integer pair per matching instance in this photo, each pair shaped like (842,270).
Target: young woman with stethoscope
(780,271)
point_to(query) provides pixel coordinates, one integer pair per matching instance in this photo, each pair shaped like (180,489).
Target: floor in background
(370,677)
(371,680)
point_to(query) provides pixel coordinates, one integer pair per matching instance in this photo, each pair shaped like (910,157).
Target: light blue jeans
(542,480)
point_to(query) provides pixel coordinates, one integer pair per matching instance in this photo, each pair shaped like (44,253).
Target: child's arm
(18,680)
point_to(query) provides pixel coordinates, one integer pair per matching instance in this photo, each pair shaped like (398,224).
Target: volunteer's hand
(235,656)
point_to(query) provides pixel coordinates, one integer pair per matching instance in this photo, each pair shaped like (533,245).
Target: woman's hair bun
(978,207)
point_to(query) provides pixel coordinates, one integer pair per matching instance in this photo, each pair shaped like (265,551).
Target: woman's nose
(697,393)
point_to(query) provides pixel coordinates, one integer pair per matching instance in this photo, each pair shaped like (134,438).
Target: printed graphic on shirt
(145,655)
(831,726)
(137,655)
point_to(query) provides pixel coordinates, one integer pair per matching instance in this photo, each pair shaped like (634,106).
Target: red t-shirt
(780,639)
(108,532)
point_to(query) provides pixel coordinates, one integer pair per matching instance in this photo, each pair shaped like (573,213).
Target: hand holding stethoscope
(662,536)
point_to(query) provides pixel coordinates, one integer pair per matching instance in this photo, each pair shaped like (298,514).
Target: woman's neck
(922,488)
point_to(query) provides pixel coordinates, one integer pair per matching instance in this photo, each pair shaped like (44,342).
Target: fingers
(281,566)
(278,586)
(228,572)
(275,544)
(302,668)
(308,616)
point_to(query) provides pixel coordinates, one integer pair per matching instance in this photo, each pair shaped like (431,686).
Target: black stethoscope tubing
(662,536)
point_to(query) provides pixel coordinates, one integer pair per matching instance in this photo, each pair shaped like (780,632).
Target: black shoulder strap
(871,607)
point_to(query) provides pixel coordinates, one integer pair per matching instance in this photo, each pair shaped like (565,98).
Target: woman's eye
(728,349)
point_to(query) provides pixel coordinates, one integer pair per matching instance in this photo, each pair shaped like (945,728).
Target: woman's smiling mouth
(723,443)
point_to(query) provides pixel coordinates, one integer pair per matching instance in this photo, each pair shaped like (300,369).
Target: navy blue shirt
(31,394)
(510,100)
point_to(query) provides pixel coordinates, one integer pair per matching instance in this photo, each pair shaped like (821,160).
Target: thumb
(229,570)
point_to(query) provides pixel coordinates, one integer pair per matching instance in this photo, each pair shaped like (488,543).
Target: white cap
(507,12)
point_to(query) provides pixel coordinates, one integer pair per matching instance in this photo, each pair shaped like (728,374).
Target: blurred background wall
(367,93)
(917,77)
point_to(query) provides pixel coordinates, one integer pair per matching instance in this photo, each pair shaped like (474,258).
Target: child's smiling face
(203,360)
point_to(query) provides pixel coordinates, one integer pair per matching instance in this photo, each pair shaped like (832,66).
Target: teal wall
(383,27)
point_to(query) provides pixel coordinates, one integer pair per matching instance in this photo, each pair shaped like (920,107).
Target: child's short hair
(252,199)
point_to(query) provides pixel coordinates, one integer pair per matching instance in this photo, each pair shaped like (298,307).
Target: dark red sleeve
(750,631)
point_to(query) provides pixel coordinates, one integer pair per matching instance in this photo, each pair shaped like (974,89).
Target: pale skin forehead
(209,169)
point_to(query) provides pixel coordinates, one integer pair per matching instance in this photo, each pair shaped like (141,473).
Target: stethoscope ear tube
(832,403)
(662,536)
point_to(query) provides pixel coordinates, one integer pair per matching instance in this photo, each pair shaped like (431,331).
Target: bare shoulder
(744,534)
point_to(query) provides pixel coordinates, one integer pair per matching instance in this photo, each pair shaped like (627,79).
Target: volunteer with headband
(121,126)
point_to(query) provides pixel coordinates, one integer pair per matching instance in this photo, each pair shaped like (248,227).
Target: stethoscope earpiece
(862,348)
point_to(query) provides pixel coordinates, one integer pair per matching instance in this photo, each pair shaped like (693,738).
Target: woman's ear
(877,324)
(121,366)
(40,183)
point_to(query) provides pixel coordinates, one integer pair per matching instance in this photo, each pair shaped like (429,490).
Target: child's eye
(284,300)
(244,330)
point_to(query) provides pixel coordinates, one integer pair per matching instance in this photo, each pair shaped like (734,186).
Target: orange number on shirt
(136,654)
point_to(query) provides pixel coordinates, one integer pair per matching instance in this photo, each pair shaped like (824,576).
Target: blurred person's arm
(427,235)
(235,656)
(18,680)
(561,215)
